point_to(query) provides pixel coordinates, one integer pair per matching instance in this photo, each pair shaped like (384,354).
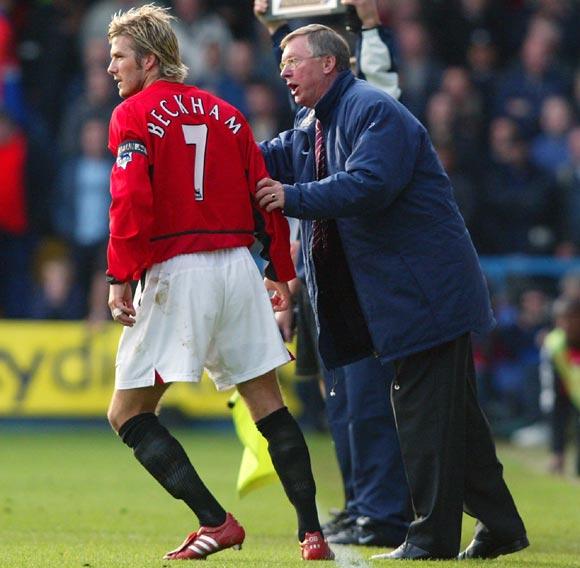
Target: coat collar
(325,106)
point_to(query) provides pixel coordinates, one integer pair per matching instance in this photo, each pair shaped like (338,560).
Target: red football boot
(315,547)
(209,540)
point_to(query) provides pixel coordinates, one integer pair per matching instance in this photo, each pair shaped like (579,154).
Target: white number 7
(196,134)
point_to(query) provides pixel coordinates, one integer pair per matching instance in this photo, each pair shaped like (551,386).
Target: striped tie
(319,152)
(319,226)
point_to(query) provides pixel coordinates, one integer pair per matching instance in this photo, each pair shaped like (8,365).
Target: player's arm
(271,228)
(131,212)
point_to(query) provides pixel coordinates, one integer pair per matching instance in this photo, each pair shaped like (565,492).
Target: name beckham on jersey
(195,107)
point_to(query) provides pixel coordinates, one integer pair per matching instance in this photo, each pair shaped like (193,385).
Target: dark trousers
(367,449)
(448,450)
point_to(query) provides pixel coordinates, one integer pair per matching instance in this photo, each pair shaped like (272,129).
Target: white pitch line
(348,557)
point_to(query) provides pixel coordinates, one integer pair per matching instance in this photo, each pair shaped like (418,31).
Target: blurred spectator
(263,110)
(569,177)
(565,14)
(15,242)
(576,92)
(467,104)
(419,71)
(482,60)
(95,54)
(82,203)
(453,23)
(440,118)
(56,296)
(229,72)
(238,18)
(570,285)
(13,217)
(95,22)
(464,187)
(560,369)
(98,99)
(197,30)
(549,149)
(519,204)
(516,348)
(11,96)
(467,100)
(524,87)
(50,57)
(397,12)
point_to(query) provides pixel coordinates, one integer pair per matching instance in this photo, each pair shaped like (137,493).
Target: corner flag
(256,469)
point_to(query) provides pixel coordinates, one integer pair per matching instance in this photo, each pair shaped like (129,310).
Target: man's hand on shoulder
(270,194)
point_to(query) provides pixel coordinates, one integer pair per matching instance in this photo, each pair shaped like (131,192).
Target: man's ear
(328,64)
(149,61)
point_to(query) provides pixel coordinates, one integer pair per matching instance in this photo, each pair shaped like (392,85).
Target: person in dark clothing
(376,508)
(392,273)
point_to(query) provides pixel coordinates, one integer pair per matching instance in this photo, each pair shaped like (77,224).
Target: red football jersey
(186,171)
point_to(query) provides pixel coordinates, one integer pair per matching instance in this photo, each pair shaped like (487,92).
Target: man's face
(304,74)
(124,67)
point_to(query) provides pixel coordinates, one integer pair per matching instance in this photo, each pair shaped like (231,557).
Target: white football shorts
(204,310)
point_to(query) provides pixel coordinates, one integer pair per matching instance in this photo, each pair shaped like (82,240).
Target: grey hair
(323,40)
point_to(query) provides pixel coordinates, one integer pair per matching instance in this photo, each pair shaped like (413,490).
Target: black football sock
(291,460)
(164,458)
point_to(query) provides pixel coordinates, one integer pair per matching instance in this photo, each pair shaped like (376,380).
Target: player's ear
(150,61)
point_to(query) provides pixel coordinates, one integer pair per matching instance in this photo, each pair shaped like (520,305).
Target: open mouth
(293,88)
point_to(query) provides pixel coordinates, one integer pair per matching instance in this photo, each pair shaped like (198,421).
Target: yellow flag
(256,469)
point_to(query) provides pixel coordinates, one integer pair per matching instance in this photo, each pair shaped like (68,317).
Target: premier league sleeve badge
(126,150)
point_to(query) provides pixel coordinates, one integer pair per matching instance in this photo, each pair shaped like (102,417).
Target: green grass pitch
(76,498)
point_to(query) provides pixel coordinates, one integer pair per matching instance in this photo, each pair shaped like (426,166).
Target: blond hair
(150,29)
(323,40)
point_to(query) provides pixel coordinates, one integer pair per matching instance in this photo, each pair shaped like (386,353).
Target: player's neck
(154,77)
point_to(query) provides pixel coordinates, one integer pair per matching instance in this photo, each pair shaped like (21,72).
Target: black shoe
(408,551)
(490,548)
(347,535)
(342,520)
(366,532)
(371,533)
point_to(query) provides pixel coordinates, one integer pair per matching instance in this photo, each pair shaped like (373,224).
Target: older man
(392,271)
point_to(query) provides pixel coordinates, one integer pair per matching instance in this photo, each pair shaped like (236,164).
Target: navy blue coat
(414,267)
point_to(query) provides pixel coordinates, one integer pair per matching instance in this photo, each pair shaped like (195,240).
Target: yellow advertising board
(67,369)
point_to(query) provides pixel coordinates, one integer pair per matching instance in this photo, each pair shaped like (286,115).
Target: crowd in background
(496,82)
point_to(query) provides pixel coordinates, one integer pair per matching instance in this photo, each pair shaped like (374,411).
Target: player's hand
(285,321)
(280,299)
(270,194)
(121,304)
(260,9)
(366,10)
